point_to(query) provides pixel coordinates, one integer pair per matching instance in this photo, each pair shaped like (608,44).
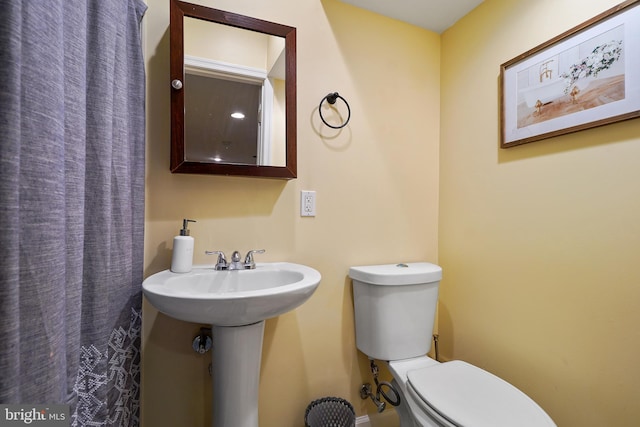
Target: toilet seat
(467,396)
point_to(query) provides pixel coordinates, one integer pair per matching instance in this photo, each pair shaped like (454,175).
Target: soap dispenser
(182,257)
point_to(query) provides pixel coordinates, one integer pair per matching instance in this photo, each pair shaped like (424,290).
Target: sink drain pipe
(202,342)
(367,391)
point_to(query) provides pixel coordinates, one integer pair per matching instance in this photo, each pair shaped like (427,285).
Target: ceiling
(434,15)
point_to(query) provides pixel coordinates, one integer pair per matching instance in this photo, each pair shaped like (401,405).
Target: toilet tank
(395,307)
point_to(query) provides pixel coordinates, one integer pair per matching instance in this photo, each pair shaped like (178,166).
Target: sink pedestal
(236,356)
(236,303)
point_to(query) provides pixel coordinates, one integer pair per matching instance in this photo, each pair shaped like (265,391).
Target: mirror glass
(233,108)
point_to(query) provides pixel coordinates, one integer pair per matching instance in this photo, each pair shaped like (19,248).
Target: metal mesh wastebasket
(330,412)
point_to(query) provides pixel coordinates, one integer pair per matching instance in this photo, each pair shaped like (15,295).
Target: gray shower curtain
(72,90)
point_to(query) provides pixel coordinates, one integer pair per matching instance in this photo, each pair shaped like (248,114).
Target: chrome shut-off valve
(366,390)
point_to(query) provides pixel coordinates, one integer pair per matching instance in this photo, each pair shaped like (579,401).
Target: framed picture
(586,77)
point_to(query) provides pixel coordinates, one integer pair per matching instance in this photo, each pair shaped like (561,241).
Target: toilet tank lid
(411,273)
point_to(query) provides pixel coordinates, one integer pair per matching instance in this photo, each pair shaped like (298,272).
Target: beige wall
(377,202)
(539,243)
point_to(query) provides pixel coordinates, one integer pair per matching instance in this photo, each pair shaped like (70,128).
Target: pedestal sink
(236,304)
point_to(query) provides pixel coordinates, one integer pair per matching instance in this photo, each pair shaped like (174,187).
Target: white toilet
(395,308)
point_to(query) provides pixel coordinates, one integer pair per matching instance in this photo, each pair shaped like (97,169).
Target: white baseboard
(386,419)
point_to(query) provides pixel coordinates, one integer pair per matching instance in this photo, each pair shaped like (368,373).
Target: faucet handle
(249,263)
(219,253)
(221,264)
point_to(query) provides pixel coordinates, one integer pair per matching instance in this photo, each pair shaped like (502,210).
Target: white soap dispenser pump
(182,257)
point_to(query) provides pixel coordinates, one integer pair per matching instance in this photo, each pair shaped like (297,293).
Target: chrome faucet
(235,264)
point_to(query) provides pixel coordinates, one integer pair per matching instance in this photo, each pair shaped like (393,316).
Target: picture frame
(588,76)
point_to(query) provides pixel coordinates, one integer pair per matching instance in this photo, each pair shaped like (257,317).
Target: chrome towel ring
(331,99)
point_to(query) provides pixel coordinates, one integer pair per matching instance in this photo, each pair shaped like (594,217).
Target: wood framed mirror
(233,94)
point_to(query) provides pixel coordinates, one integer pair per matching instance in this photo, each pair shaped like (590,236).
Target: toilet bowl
(395,310)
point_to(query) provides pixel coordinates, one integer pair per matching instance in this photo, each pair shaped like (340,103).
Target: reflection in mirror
(234,113)
(229,95)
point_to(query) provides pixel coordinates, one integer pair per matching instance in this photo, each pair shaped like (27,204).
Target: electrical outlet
(307,203)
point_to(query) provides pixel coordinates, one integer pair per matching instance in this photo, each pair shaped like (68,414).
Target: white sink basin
(231,298)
